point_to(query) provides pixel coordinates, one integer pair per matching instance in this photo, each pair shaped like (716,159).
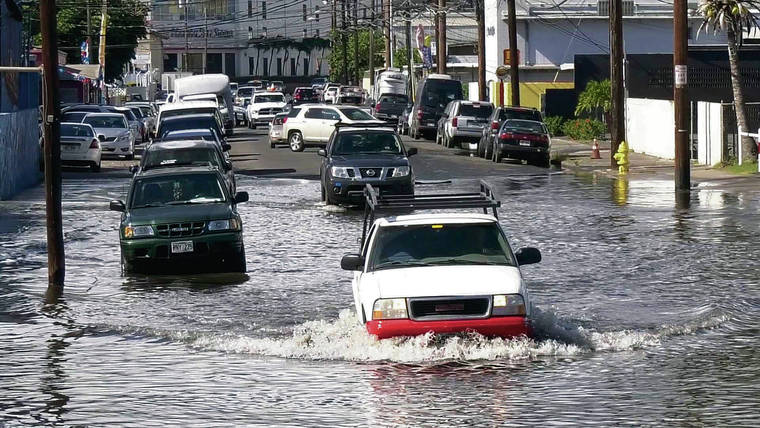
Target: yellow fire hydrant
(622,158)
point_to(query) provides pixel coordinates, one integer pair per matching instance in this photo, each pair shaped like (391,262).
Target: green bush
(554,123)
(583,129)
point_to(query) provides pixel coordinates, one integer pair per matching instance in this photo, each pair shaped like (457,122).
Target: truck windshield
(356,114)
(176,190)
(268,99)
(366,143)
(394,99)
(440,244)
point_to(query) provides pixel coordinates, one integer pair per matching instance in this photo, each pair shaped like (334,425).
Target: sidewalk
(576,156)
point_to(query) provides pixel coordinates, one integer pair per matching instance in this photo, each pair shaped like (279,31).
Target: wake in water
(344,339)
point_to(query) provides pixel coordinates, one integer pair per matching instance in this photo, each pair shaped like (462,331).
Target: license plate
(182,247)
(394,116)
(525,143)
(69,147)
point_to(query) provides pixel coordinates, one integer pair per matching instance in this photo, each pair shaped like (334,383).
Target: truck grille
(270,111)
(176,230)
(449,307)
(370,172)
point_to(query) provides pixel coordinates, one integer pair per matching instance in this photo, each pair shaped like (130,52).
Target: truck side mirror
(117,206)
(352,262)
(322,152)
(226,147)
(241,197)
(411,152)
(528,255)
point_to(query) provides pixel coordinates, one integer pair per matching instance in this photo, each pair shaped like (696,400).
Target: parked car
(180,216)
(349,95)
(207,134)
(319,83)
(80,145)
(263,107)
(241,117)
(390,106)
(434,93)
(356,156)
(498,116)
(330,93)
(275,130)
(173,153)
(523,139)
(215,87)
(189,121)
(314,123)
(244,94)
(441,273)
(188,108)
(462,124)
(113,132)
(405,120)
(304,95)
(148,115)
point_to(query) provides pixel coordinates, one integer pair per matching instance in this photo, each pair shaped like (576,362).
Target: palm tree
(733,17)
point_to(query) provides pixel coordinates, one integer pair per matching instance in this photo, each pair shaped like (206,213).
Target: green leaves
(722,15)
(595,98)
(336,54)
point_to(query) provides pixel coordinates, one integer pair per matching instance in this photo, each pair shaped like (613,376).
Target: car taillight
(419,114)
(506,135)
(454,122)
(494,125)
(284,119)
(94,144)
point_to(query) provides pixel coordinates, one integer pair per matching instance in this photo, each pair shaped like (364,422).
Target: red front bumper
(495,326)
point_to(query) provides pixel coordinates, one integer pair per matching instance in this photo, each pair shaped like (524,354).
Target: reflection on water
(647,302)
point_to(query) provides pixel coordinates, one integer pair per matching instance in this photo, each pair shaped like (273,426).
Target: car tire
(95,167)
(130,156)
(253,125)
(126,267)
(237,263)
(497,155)
(481,148)
(541,161)
(487,150)
(295,140)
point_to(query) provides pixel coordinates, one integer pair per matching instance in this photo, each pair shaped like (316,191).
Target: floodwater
(648,315)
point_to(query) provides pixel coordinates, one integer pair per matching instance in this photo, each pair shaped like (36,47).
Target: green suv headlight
(230,224)
(508,305)
(138,231)
(387,309)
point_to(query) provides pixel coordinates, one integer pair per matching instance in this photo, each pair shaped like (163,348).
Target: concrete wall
(19,152)
(650,127)
(530,92)
(709,133)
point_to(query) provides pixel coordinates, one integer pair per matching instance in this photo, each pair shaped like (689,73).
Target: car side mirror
(322,153)
(352,262)
(241,197)
(228,165)
(134,168)
(117,206)
(226,147)
(528,255)
(411,152)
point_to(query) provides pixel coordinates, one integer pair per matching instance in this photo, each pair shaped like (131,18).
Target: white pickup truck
(440,273)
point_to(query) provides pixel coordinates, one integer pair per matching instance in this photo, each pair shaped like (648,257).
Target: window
(250,8)
(250,66)
(316,13)
(304,13)
(266,67)
(306,66)
(292,66)
(304,33)
(264,10)
(329,114)
(314,113)
(316,32)
(279,66)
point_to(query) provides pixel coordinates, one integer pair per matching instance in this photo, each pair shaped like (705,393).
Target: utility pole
(441,42)
(514,70)
(344,40)
(372,49)
(409,56)
(386,6)
(51,114)
(680,99)
(617,105)
(187,44)
(480,15)
(357,72)
(89,34)
(102,49)
(205,38)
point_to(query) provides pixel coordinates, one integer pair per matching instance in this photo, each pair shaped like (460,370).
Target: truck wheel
(497,155)
(296,141)
(481,148)
(95,167)
(237,263)
(487,150)
(126,267)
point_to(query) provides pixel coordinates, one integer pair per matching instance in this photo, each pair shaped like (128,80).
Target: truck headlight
(339,172)
(138,231)
(401,171)
(508,305)
(124,137)
(387,309)
(231,224)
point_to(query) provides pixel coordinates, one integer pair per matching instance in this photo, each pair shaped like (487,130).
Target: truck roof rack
(484,199)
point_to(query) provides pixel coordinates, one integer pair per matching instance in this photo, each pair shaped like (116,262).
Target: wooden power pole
(357,72)
(514,71)
(387,26)
(680,99)
(617,105)
(480,15)
(344,39)
(441,42)
(51,114)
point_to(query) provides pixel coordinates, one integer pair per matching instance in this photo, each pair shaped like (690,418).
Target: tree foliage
(336,54)
(399,57)
(596,99)
(723,15)
(126,25)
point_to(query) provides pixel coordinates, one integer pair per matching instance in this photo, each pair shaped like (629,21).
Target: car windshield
(524,126)
(354,143)
(207,122)
(75,116)
(439,93)
(105,121)
(476,110)
(440,244)
(176,190)
(245,92)
(186,111)
(203,156)
(356,114)
(137,112)
(272,98)
(350,99)
(76,131)
(520,114)
(394,99)
(207,135)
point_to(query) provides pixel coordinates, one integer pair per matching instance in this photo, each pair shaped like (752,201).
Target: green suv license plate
(182,247)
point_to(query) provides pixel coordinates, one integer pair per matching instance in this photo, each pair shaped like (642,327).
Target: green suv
(181,216)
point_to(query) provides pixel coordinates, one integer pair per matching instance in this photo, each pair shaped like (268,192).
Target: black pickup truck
(390,106)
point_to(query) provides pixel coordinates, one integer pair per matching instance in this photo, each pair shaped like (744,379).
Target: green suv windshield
(366,143)
(440,244)
(176,190)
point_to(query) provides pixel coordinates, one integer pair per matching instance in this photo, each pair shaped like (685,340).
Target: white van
(191,88)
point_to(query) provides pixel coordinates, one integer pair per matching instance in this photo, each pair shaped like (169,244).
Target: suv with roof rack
(180,217)
(439,273)
(358,155)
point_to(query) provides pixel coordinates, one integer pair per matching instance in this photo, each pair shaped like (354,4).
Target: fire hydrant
(622,158)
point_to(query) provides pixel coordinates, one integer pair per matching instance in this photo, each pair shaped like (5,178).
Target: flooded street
(649,314)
